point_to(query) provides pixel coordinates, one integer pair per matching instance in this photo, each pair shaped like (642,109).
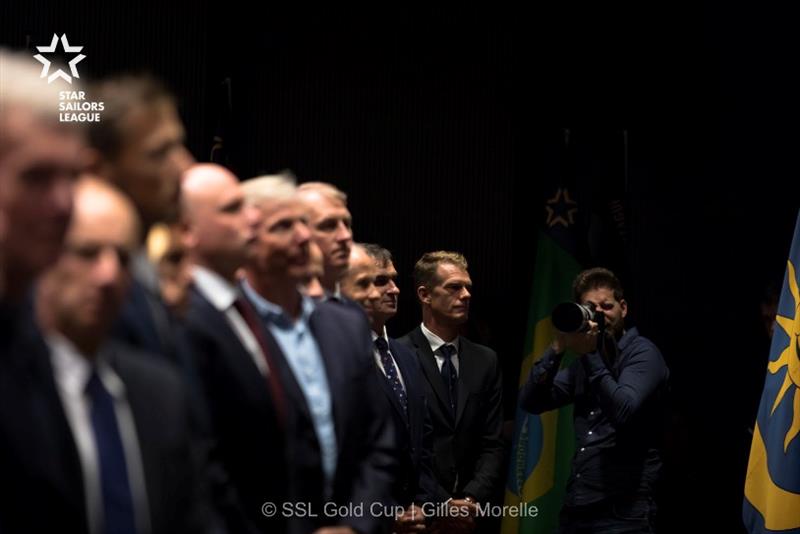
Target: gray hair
(269,187)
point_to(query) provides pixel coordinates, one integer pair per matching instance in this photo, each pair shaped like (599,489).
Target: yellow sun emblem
(789,359)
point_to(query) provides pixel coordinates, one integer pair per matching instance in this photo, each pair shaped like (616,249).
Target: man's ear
(188,236)
(424,295)
(623,304)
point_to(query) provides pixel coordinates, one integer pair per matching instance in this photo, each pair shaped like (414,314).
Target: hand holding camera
(577,327)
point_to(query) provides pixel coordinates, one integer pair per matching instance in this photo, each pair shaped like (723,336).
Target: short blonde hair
(426,267)
(329,191)
(269,187)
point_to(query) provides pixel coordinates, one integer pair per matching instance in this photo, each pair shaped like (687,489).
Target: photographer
(618,386)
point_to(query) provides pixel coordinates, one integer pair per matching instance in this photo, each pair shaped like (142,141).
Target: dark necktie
(390,370)
(250,317)
(118,515)
(449,376)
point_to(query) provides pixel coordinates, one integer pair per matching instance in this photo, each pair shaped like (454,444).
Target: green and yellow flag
(543,445)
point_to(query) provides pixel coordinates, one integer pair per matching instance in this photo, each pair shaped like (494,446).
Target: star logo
(561,209)
(46,62)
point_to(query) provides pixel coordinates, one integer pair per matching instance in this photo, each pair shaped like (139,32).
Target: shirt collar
(271,311)
(435,341)
(376,336)
(72,369)
(219,292)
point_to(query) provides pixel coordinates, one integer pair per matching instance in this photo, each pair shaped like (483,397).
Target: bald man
(242,389)
(98,431)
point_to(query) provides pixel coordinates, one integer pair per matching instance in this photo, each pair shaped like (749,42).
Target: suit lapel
(431,369)
(242,361)
(329,351)
(51,419)
(465,376)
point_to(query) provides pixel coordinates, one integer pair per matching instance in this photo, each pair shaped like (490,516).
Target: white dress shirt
(72,371)
(436,343)
(222,295)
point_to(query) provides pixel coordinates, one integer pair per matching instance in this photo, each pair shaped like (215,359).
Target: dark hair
(377,253)
(596,278)
(425,269)
(120,95)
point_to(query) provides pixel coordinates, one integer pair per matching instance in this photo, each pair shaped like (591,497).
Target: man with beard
(80,433)
(618,384)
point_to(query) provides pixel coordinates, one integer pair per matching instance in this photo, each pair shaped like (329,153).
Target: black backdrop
(442,123)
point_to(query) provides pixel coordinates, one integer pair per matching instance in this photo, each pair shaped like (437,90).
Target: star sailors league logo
(67,49)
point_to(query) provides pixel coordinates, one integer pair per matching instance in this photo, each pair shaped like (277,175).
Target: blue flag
(772,488)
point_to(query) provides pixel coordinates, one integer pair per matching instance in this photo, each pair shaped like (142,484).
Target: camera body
(571,317)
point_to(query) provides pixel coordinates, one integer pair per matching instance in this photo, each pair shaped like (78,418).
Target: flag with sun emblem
(772,487)
(543,445)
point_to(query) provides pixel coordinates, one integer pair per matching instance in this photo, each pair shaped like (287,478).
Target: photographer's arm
(547,388)
(621,398)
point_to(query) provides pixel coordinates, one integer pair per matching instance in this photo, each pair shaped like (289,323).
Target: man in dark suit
(340,439)
(463,383)
(239,381)
(370,281)
(138,147)
(91,430)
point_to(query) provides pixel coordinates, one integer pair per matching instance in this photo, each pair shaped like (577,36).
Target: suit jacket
(468,452)
(414,432)
(248,453)
(43,489)
(367,458)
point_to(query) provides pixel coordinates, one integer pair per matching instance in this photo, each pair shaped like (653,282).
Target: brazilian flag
(543,445)
(772,487)
(577,227)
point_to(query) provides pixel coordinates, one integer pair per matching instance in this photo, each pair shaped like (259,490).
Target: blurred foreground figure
(94,429)
(40,159)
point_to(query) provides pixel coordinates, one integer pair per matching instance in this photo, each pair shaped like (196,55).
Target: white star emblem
(46,62)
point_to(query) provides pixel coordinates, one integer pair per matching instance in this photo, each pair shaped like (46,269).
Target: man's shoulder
(136,366)
(472,347)
(401,349)
(642,349)
(199,307)
(637,342)
(338,310)
(411,339)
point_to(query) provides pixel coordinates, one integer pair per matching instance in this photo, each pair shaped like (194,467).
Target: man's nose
(343,232)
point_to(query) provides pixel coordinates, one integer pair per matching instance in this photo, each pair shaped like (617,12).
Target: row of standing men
(277,386)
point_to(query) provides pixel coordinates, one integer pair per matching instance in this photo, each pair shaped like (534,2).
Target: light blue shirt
(302,352)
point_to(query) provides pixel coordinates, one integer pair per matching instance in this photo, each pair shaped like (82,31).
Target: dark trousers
(617,516)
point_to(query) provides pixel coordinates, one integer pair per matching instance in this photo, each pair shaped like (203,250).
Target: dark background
(443,125)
